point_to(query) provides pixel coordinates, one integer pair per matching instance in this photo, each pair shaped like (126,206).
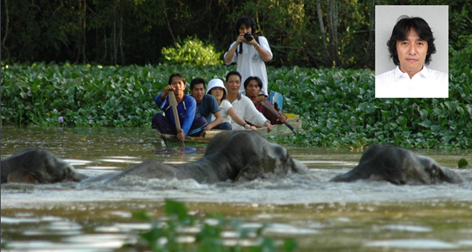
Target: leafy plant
(191,52)
(165,236)
(462,163)
(461,58)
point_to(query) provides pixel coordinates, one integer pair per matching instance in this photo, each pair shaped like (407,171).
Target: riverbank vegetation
(337,106)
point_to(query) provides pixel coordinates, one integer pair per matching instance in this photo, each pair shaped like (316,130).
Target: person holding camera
(249,52)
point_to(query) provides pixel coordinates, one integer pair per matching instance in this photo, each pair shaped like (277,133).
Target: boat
(277,131)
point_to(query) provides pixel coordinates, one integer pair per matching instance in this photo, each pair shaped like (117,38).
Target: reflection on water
(320,215)
(413,244)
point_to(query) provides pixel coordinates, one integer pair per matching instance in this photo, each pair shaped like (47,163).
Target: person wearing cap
(244,106)
(207,106)
(217,89)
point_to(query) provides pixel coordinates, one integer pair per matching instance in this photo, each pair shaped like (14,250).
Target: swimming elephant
(239,156)
(37,166)
(230,156)
(398,166)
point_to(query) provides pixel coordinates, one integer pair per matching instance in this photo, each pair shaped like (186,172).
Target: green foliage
(462,163)
(165,236)
(338,107)
(191,52)
(461,59)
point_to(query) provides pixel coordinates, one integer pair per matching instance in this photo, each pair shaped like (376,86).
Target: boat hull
(278,130)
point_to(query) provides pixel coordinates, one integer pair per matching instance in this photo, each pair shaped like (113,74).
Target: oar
(267,106)
(173,104)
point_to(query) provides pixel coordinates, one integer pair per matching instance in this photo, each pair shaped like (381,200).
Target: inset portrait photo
(411,51)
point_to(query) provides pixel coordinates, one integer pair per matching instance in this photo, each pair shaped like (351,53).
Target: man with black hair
(243,106)
(249,52)
(190,124)
(411,46)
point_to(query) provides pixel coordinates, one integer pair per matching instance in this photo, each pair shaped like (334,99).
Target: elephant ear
(21,177)
(246,174)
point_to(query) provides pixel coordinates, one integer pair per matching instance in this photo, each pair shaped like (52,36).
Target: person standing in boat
(189,124)
(207,106)
(249,52)
(243,105)
(253,86)
(217,89)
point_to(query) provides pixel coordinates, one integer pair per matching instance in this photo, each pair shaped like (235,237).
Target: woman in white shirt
(217,89)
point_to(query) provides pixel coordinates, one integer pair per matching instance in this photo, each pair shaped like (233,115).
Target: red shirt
(269,115)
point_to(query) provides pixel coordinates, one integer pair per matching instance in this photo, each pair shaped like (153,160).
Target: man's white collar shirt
(427,83)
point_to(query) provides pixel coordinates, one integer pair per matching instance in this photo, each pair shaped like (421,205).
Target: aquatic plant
(337,106)
(170,235)
(462,163)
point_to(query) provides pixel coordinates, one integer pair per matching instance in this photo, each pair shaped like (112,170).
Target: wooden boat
(277,131)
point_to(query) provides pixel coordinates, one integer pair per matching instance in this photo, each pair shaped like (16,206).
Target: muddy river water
(319,215)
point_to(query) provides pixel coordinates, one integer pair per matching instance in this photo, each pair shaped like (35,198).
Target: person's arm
(254,116)
(231,112)
(269,126)
(218,120)
(167,89)
(161,104)
(181,135)
(262,48)
(215,111)
(229,55)
(160,99)
(282,119)
(189,117)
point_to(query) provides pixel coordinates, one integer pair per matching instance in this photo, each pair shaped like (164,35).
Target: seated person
(207,106)
(217,89)
(253,86)
(243,105)
(165,124)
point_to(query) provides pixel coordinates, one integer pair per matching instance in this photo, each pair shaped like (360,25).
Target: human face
(243,29)
(412,53)
(252,89)
(198,92)
(218,93)
(233,84)
(178,84)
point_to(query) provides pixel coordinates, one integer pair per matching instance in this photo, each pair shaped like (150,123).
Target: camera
(248,37)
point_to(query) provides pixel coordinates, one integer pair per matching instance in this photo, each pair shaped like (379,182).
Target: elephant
(37,166)
(398,166)
(231,156)
(235,156)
